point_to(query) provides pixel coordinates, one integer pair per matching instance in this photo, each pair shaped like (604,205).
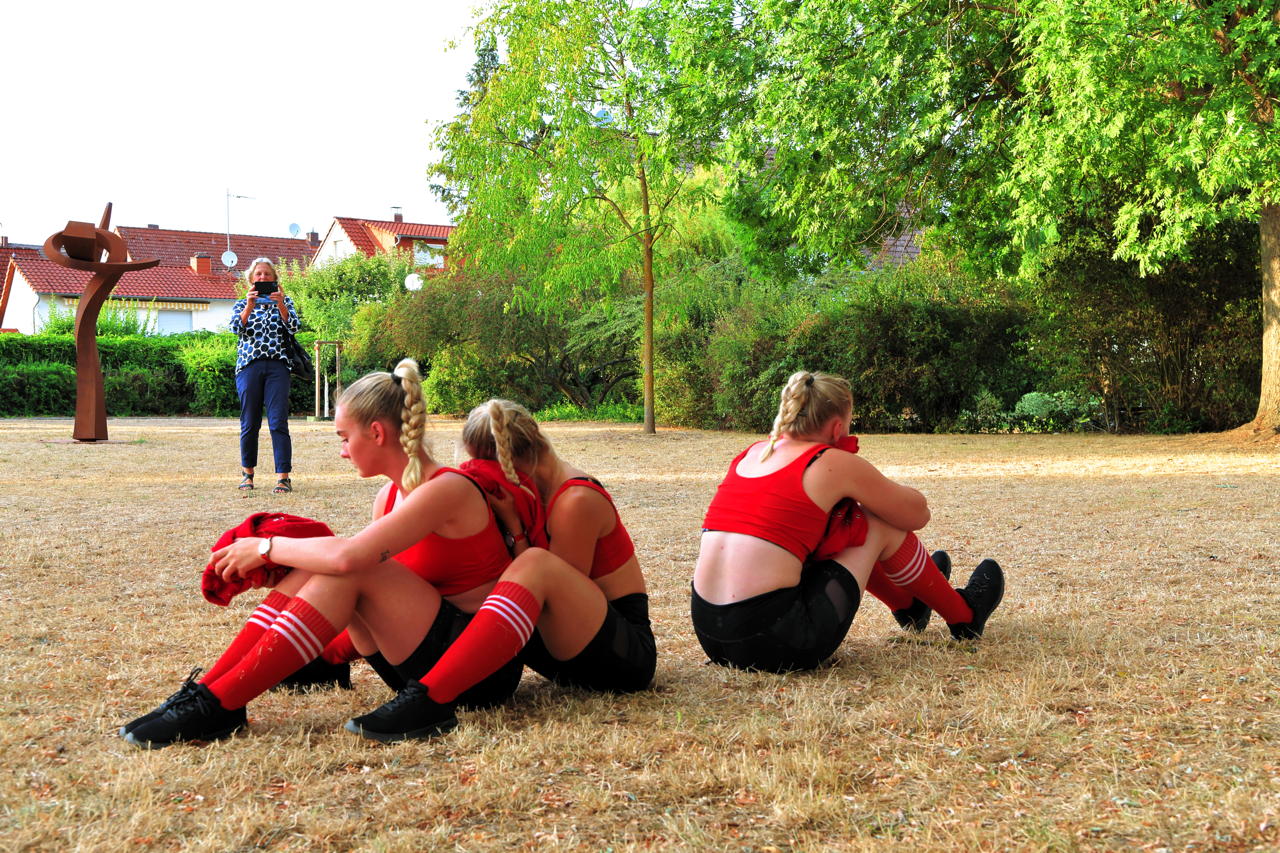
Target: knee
(536,566)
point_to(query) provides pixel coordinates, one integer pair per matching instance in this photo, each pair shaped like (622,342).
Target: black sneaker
(319,674)
(916,617)
(982,594)
(411,714)
(196,716)
(186,689)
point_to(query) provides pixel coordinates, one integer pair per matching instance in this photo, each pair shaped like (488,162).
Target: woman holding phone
(261,321)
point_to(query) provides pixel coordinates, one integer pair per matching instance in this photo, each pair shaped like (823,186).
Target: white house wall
(25,311)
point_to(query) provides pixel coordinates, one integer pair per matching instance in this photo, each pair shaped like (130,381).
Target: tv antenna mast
(229,258)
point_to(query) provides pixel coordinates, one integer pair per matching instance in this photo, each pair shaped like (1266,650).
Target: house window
(172,322)
(428,254)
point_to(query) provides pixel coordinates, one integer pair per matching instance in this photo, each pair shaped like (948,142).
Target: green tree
(565,165)
(853,119)
(329,296)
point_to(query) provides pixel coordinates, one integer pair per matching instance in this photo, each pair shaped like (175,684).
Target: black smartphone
(265,287)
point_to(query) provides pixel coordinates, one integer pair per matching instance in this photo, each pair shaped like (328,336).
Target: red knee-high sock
(879,585)
(296,638)
(497,632)
(340,649)
(911,568)
(259,621)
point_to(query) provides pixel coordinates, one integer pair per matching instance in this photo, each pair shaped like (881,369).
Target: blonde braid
(413,422)
(795,395)
(502,440)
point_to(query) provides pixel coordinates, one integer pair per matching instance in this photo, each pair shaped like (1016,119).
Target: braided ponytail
(502,440)
(395,399)
(808,400)
(505,431)
(413,422)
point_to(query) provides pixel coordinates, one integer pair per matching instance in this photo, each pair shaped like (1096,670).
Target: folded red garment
(846,526)
(220,591)
(533,515)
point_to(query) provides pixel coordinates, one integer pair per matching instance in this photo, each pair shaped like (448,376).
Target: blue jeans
(265,381)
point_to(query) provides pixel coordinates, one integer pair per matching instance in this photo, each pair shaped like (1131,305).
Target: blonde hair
(260,262)
(505,431)
(397,398)
(808,401)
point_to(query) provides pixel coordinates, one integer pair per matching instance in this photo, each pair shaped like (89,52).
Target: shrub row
(187,374)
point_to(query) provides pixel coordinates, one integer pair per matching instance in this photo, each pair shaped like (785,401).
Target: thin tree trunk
(1268,418)
(646,355)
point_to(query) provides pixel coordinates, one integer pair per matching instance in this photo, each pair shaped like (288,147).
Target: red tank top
(454,565)
(773,507)
(614,548)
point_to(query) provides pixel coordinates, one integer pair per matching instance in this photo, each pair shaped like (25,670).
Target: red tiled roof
(176,248)
(18,249)
(163,282)
(411,229)
(358,234)
(375,235)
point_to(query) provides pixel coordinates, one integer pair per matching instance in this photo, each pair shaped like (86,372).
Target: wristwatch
(264,549)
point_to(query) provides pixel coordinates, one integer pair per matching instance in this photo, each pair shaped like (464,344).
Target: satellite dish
(229,259)
(293,229)
(413,281)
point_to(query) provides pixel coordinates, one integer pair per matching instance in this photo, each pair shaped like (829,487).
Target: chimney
(152,225)
(313,239)
(398,217)
(201,264)
(4,242)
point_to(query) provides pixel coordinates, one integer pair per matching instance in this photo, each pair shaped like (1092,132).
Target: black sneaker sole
(433,730)
(221,734)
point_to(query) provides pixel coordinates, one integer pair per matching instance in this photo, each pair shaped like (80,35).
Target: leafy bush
(614,412)
(37,388)
(117,317)
(1170,352)
(134,390)
(209,363)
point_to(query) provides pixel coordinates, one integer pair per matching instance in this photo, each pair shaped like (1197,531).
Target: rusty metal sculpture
(80,246)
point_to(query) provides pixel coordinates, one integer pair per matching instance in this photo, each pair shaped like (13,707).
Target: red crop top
(455,565)
(614,548)
(773,507)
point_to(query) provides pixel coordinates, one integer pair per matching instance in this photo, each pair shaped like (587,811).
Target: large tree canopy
(563,168)
(852,119)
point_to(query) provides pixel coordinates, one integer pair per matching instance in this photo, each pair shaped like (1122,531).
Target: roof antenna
(229,258)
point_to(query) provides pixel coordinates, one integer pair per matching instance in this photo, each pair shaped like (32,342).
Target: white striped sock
(297,633)
(912,570)
(512,614)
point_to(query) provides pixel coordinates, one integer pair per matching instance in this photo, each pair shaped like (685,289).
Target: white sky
(313,109)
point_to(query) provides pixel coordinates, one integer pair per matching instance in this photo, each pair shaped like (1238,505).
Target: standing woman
(404,587)
(579,611)
(760,599)
(261,321)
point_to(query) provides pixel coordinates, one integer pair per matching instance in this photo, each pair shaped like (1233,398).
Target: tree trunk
(646,354)
(1268,418)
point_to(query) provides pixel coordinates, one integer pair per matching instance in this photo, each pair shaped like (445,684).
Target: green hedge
(37,388)
(186,374)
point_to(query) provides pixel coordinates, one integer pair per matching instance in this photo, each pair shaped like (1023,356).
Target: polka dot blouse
(262,336)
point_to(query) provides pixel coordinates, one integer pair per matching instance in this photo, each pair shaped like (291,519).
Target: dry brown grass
(1125,696)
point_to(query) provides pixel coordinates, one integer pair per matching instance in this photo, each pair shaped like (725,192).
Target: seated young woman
(760,599)
(404,587)
(579,611)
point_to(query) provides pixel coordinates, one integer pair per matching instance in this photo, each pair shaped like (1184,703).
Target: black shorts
(796,627)
(621,658)
(449,623)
